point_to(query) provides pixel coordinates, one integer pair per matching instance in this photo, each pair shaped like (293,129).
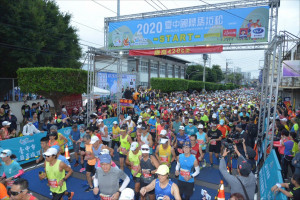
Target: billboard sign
(241,25)
(109,81)
(291,68)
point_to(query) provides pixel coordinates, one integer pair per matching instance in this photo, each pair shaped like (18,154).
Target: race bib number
(184,172)
(164,159)
(193,152)
(53,183)
(135,168)
(146,173)
(200,141)
(105,197)
(123,150)
(213,142)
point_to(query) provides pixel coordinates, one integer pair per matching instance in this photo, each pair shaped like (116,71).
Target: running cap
(163,170)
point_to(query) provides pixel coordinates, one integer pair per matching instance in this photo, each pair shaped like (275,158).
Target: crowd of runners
(158,131)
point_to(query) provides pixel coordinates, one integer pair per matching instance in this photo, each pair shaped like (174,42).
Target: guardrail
(27,148)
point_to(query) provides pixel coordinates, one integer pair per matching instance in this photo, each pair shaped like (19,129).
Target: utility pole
(204,59)
(118,9)
(226,72)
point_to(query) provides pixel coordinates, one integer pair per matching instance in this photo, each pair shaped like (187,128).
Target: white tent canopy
(96,93)
(100,91)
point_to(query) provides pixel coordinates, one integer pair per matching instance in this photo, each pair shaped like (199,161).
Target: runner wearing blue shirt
(12,168)
(163,186)
(82,147)
(152,122)
(184,167)
(181,139)
(75,138)
(190,129)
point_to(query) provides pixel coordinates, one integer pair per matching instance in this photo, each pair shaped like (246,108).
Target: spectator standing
(12,119)
(2,116)
(46,109)
(39,110)
(25,110)
(5,106)
(29,128)
(35,120)
(244,182)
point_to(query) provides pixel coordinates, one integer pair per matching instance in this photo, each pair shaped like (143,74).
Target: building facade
(144,67)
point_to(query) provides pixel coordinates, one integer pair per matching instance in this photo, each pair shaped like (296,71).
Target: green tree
(194,72)
(34,33)
(235,78)
(52,83)
(217,70)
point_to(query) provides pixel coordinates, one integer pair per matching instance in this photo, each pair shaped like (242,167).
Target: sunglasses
(46,156)
(145,149)
(15,193)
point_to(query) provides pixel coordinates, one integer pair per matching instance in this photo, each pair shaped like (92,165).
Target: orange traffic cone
(55,116)
(221,193)
(67,154)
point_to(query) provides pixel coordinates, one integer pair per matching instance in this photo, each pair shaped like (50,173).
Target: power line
(156,4)
(151,5)
(65,35)
(88,26)
(10,46)
(104,6)
(224,10)
(162,4)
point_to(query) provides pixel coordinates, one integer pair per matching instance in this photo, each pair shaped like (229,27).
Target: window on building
(154,68)
(170,71)
(144,66)
(176,71)
(162,69)
(131,66)
(182,72)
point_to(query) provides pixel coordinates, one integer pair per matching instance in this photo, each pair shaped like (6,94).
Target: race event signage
(179,50)
(109,81)
(291,68)
(242,25)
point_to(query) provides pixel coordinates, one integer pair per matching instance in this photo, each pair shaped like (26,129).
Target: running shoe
(82,170)
(211,165)
(89,189)
(71,196)
(204,163)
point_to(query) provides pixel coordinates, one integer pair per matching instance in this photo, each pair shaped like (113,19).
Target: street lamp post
(188,74)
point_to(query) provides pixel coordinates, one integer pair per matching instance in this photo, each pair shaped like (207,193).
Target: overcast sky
(88,17)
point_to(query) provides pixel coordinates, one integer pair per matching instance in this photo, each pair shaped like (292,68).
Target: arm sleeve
(21,172)
(197,171)
(125,183)
(177,166)
(95,181)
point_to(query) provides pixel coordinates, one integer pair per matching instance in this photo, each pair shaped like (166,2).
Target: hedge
(176,84)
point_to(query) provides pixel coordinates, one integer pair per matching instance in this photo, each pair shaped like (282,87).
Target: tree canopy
(214,74)
(52,83)
(34,33)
